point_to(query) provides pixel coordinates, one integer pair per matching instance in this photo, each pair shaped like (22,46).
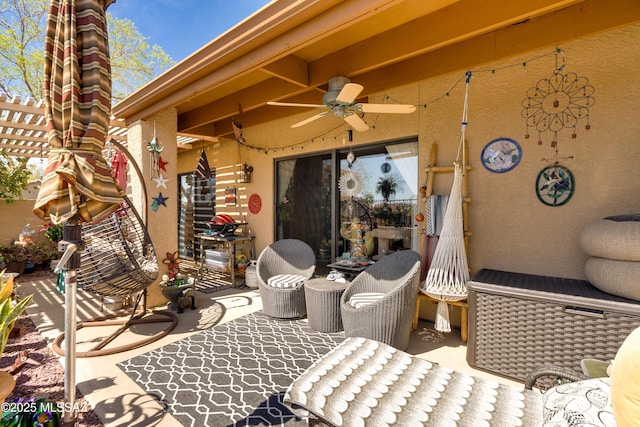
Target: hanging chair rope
(449,272)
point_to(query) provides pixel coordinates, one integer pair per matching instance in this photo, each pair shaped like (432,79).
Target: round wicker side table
(323,304)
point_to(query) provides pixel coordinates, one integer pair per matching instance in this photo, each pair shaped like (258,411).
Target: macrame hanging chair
(449,271)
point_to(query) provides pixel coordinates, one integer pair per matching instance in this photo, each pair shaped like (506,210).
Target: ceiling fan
(340,100)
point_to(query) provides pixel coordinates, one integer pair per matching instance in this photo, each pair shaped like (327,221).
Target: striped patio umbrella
(77,185)
(77,92)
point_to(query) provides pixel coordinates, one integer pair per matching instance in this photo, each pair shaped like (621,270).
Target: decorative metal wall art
(558,102)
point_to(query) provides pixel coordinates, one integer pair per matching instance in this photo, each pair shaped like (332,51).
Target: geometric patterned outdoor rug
(234,374)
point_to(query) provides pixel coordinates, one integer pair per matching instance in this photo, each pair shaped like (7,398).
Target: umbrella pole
(71,245)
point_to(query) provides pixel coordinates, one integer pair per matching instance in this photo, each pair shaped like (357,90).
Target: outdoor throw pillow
(364,298)
(625,381)
(580,403)
(286,281)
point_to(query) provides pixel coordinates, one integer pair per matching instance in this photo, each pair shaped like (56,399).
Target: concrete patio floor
(119,401)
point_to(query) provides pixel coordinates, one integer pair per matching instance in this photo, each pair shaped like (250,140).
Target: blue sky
(181,27)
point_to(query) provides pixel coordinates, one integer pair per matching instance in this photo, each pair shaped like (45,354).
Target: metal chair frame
(118,259)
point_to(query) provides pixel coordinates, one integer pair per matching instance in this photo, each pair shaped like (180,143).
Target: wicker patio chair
(281,270)
(392,283)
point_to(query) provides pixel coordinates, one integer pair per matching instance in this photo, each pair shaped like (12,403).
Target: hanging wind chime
(350,183)
(155,148)
(553,104)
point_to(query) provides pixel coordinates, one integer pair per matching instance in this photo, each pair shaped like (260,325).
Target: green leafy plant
(41,252)
(14,177)
(53,232)
(16,253)
(9,310)
(386,186)
(30,412)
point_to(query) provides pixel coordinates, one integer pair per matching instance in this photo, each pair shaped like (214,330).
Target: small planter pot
(174,293)
(29,267)
(16,266)
(113,303)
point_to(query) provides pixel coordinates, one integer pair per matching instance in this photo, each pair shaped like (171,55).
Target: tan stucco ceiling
(289,50)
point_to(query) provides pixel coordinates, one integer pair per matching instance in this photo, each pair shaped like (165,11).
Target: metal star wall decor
(162,164)
(157,201)
(558,102)
(161,181)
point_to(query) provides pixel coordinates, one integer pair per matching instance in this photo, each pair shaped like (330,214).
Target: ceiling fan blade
(356,122)
(291,104)
(310,119)
(349,93)
(387,108)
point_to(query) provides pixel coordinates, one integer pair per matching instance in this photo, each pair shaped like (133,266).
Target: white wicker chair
(389,318)
(287,256)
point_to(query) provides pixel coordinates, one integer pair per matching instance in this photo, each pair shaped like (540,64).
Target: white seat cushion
(286,281)
(365,298)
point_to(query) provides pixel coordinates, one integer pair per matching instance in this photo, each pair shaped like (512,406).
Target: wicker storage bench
(520,322)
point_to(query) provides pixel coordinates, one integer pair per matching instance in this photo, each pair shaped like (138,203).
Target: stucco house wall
(512,230)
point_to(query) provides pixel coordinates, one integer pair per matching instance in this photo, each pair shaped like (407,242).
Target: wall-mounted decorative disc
(255,203)
(501,155)
(555,185)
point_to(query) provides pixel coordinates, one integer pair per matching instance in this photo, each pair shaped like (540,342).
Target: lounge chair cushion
(364,382)
(364,298)
(581,403)
(286,281)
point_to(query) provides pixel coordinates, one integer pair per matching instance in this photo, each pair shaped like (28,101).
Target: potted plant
(53,232)
(15,256)
(41,253)
(175,285)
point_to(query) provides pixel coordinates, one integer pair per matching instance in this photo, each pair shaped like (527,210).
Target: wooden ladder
(431,170)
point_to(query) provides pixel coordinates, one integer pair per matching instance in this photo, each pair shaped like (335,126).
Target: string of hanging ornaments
(339,130)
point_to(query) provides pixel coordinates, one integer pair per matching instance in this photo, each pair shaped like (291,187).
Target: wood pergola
(23,131)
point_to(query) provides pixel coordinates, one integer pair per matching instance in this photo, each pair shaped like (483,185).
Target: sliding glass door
(357,202)
(304,195)
(378,198)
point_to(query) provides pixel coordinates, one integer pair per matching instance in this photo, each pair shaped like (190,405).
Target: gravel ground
(45,379)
